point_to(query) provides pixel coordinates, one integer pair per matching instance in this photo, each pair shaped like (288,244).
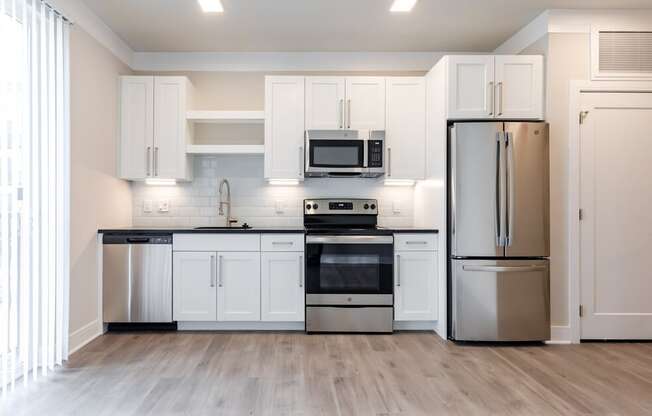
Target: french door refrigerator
(498,231)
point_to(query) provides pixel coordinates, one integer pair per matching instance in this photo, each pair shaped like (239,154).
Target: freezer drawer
(500,300)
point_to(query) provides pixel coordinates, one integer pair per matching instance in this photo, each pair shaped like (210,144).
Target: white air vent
(625,53)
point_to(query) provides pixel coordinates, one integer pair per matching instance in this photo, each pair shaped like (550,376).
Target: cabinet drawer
(281,242)
(216,242)
(415,242)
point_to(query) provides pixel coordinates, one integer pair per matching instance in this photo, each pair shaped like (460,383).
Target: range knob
(373,206)
(366,206)
(315,206)
(308,206)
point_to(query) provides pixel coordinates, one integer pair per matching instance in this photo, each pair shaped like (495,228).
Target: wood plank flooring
(289,373)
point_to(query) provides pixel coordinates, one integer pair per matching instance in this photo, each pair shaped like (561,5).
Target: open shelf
(225,149)
(255,117)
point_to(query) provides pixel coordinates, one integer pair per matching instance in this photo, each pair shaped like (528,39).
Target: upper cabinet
(153,128)
(406,128)
(353,103)
(284,127)
(500,86)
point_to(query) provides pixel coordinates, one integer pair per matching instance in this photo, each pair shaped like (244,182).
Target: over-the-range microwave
(345,153)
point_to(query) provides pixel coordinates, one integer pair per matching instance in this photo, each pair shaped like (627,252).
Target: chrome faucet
(229,220)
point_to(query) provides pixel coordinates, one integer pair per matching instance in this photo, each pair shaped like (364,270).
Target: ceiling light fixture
(402,5)
(211,6)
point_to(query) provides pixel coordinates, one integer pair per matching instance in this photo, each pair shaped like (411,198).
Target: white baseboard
(240,326)
(560,334)
(84,335)
(415,325)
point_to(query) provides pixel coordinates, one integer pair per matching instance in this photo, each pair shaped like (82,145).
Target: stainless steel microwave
(345,153)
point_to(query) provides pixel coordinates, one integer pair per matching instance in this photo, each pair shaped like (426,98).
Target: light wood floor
(294,373)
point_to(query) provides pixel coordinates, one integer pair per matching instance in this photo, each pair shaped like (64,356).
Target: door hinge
(583,115)
(581,214)
(581,311)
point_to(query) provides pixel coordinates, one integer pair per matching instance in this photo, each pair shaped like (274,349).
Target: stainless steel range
(349,267)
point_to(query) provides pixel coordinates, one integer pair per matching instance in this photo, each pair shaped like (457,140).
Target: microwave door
(477,199)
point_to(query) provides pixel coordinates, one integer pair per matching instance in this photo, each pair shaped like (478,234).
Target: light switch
(164,205)
(147,205)
(396,207)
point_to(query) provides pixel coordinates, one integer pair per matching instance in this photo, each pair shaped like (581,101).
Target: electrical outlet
(147,206)
(396,207)
(280,206)
(164,205)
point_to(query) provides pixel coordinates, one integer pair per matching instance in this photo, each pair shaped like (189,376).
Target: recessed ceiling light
(402,5)
(211,6)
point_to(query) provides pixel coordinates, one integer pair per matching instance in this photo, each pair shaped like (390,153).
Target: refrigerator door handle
(504,269)
(509,144)
(500,241)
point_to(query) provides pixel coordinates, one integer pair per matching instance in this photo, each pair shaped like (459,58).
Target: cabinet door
(519,87)
(284,127)
(415,286)
(406,128)
(470,86)
(169,128)
(282,285)
(136,126)
(365,103)
(194,286)
(238,294)
(324,103)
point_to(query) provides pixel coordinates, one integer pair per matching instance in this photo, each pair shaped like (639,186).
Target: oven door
(349,270)
(336,156)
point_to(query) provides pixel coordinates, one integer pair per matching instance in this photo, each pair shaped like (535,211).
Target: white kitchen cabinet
(153,127)
(519,86)
(284,127)
(365,103)
(238,281)
(494,86)
(195,287)
(406,128)
(325,103)
(415,283)
(282,285)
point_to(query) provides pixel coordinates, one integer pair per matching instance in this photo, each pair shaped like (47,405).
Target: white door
(415,286)
(284,127)
(365,103)
(169,154)
(136,126)
(282,286)
(470,86)
(519,87)
(616,226)
(324,103)
(406,128)
(238,292)
(194,286)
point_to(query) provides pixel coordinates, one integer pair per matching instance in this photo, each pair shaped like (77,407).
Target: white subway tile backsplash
(194,204)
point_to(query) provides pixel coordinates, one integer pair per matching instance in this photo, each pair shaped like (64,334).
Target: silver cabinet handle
(219,271)
(504,269)
(398,270)
(212,270)
(389,161)
(148,160)
(348,109)
(300,271)
(500,98)
(342,113)
(300,161)
(286,243)
(510,189)
(156,161)
(492,99)
(416,242)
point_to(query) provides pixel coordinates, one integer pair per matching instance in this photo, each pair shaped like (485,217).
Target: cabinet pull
(493,98)
(156,161)
(416,242)
(389,161)
(342,113)
(300,161)
(348,109)
(212,271)
(398,270)
(300,271)
(148,160)
(500,98)
(282,243)
(219,272)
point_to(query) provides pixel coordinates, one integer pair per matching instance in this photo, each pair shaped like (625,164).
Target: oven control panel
(340,206)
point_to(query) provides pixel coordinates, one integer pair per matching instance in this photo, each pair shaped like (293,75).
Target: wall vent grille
(625,52)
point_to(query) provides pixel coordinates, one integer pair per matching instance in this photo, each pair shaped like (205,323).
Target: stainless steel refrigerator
(498,218)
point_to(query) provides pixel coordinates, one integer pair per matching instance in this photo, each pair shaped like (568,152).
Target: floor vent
(625,52)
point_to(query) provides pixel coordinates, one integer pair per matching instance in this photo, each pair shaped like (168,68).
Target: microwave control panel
(375,154)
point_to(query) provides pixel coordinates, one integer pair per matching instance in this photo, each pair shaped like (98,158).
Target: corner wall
(98,198)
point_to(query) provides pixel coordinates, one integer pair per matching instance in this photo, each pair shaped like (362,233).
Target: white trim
(525,37)
(84,335)
(575,91)
(415,326)
(240,326)
(560,334)
(225,149)
(285,61)
(205,116)
(595,54)
(81,15)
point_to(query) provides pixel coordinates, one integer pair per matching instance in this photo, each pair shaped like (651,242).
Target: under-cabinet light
(402,5)
(284,182)
(211,6)
(160,182)
(399,182)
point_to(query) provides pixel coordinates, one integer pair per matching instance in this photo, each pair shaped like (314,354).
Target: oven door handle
(349,239)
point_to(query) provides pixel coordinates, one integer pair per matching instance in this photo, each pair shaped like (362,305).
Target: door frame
(577,88)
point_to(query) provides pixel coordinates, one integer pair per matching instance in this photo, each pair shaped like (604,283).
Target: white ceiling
(326,25)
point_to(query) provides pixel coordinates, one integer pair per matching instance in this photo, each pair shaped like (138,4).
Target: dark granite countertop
(252,230)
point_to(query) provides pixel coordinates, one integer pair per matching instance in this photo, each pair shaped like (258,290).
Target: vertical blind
(34,182)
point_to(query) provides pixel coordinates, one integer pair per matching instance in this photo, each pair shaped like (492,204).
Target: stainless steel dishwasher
(137,278)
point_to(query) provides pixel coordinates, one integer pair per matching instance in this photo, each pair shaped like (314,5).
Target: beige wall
(98,199)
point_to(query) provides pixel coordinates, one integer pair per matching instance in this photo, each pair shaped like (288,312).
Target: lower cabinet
(282,283)
(194,286)
(238,287)
(415,285)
